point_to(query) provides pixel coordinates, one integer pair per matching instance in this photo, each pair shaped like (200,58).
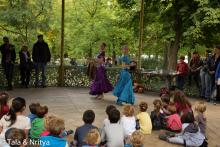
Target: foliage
(169,25)
(25,19)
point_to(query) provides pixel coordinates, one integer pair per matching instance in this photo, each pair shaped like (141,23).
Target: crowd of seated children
(37,125)
(157,116)
(15,138)
(113,134)
(190,135)
(14,119)
(116,131)
(4,108)
(80,133)
(55,126)
(144,119)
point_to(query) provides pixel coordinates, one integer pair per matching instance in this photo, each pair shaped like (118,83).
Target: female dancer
(124,89)
(100,83)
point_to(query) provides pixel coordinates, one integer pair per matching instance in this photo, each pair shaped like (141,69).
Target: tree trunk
(165,56)
(61,68)
(141,33)
(173,50)
(90,52)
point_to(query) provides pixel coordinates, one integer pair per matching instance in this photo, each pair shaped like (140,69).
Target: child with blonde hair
(137,140)
(92,138)
(128,120)
(200,108)
(144,119)
(46,125)
(56,127)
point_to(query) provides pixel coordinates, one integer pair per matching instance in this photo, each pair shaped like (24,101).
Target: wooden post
(141,34)
(61,68)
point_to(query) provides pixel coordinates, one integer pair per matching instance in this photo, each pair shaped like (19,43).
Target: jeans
(196,78)
(206,85)
(218,93)
(180,81)
(8,69)
(38,67)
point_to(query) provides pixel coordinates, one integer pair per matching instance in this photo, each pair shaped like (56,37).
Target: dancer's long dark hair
(18,105)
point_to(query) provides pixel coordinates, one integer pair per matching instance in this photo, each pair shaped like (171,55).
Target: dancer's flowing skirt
(124,89)
(100,83)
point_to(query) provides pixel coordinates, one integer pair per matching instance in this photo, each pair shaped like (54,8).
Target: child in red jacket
(182,71)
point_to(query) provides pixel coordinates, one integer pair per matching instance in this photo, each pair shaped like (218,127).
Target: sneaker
(170,134)
(163,137)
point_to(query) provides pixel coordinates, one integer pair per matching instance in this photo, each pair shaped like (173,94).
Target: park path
(70,103)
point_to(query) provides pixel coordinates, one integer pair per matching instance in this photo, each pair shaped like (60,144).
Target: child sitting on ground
(190,135)
(15,137)
(56,126)
(4,108)
(46,125)
(37,125)
(113,134)
(157,116)
(138,88)
(200,109)
(108,109)
(144,119)
(128,120)
(165,103)
(80,134)
(173,121)
(47,120)
(137,140)
(92,138)
(33,112)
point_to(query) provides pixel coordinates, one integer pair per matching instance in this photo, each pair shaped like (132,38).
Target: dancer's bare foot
(100,97)
(95,97)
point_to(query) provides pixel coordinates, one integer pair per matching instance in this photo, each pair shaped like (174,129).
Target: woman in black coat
(25,66)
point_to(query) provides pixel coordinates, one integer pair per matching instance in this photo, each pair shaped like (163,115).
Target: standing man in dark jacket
(41,56)
(8,60)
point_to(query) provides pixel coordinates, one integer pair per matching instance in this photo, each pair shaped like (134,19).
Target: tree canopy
(171,27)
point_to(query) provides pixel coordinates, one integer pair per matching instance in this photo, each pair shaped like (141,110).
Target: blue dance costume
(124,89)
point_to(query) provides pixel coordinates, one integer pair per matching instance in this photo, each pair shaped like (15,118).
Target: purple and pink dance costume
(100,83)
